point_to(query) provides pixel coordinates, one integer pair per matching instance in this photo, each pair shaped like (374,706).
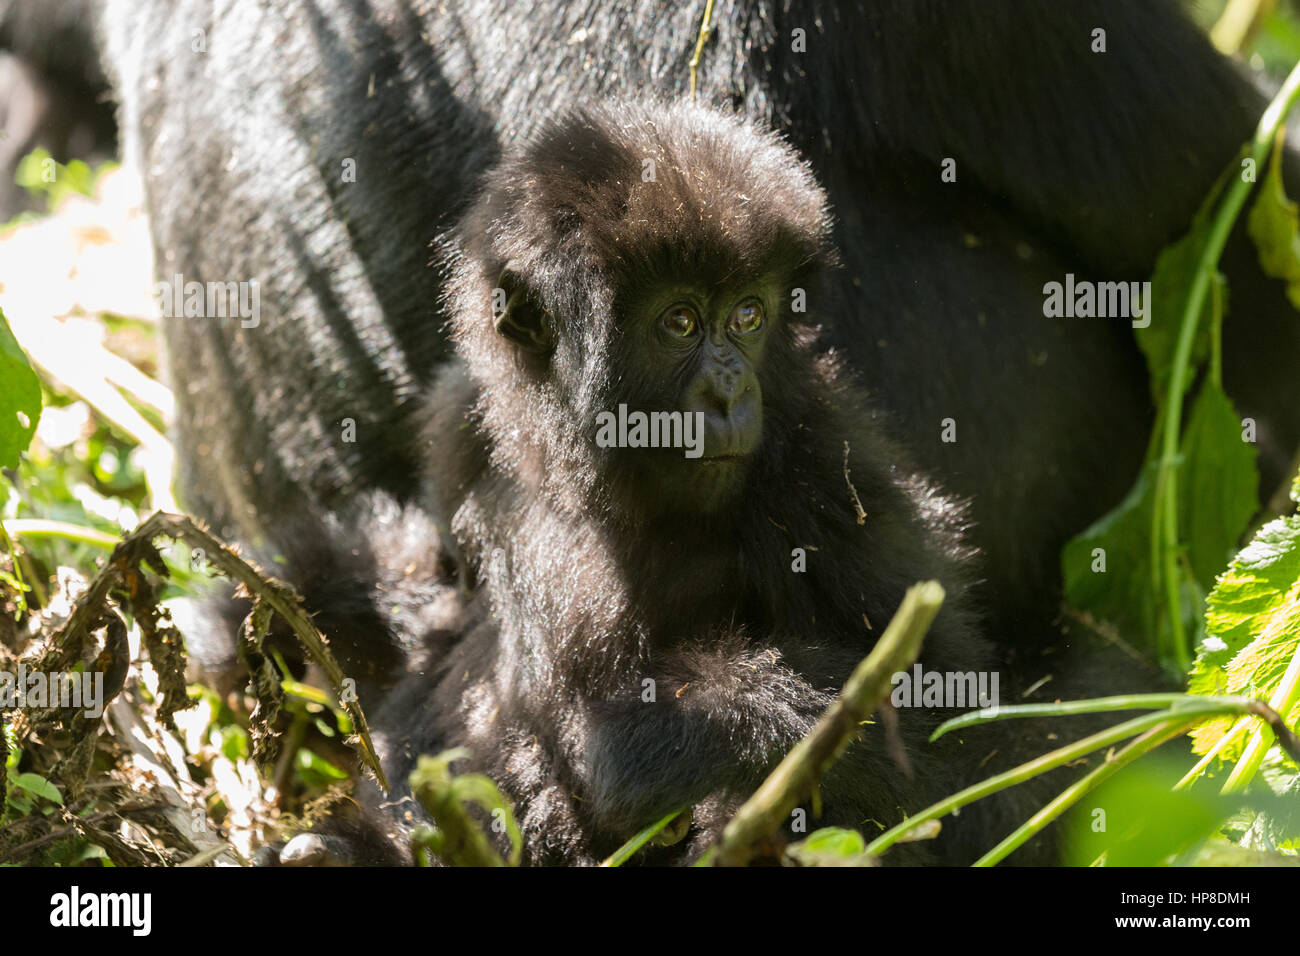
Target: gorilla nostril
(724,393)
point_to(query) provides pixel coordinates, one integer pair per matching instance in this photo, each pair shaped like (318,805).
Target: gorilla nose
(724,389)
(733,430)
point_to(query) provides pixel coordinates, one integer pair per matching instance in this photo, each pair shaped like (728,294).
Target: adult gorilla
(249,126)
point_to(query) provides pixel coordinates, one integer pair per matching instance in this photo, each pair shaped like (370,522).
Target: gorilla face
(646,350)
(697,352)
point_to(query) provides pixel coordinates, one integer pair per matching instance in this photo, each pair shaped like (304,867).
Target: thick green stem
(1165,511)
(798,775)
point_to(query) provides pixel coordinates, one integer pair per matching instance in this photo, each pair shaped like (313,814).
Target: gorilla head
(645,268)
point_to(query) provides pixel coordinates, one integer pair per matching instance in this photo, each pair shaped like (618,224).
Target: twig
(706,30)
(857,502)
(798,774)
(1286,739)
(23,850)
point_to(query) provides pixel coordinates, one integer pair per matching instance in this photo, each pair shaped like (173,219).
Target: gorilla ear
(518,315)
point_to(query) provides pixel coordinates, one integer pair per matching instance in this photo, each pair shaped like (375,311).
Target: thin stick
(796,777)
(706,31)
(853,492)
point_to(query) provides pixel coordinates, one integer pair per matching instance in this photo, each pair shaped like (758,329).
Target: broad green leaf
(20,802)
(1218,484)
(38,786)
(1171,283)
(1125,593)
(20,399)
(1253,619)
(1135,820)
(1119,541)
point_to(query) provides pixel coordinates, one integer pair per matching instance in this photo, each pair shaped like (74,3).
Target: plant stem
(706,29)
(1212,707)
(42,528)
(1064,708)
(1166,491)
(1069,796)
(628,849)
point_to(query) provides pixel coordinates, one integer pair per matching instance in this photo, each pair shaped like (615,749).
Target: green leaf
(1171,284)
(1123,592)
(1274,224)
(38,786)
(1253,620)
(234,742)
(1218,484)
(20,803)
(1217,497)
(20,399)
(831,846)
(315,769)
(835,840)
(1134,819)
(33,174)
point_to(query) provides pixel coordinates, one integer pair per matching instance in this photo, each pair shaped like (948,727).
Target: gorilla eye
(681,320)
(746,317)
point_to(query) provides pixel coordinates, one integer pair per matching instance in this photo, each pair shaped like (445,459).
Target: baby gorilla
(653,628)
